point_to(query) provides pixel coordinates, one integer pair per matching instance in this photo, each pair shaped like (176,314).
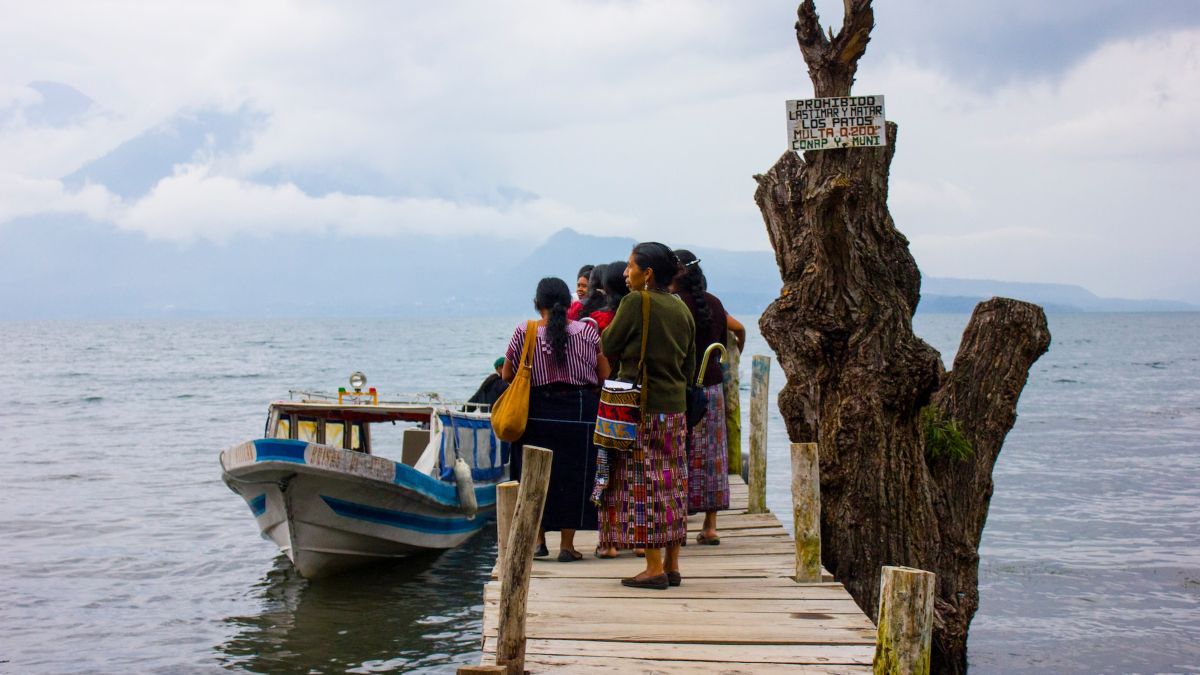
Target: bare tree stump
(518,562)
(857,376)
(759,395)
(902,646)
(806,511)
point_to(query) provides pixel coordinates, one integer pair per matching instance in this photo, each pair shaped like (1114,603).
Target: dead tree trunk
(857,377)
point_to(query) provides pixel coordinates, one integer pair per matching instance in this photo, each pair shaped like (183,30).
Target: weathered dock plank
(739,610)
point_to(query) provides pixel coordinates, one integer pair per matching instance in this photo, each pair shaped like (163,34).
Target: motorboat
(340,481)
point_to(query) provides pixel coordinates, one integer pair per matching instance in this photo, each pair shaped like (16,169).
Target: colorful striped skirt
(645,504)
(708,457)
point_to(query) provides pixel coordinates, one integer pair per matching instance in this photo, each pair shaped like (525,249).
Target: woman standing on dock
(645,506)
(708,447)
(567,372)
(615,290)
(593,300)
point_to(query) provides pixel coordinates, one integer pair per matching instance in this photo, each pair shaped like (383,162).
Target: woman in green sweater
(645,505)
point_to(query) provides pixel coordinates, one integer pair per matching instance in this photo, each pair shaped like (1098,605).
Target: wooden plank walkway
(737,611)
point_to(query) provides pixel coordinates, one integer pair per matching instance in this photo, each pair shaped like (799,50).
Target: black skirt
(562,419)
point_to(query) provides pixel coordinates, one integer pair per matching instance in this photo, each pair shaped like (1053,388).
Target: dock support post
(806,511)
(518,560)
(759,377)
(902,645)
(506,505)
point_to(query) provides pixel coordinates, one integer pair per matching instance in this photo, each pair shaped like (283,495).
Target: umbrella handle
(704,362)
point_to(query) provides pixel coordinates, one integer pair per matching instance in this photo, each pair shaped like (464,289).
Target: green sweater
(670,350)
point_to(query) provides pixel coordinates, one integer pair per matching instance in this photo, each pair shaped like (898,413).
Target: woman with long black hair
(708,446)
(594,299)
(567,372)
(645,502)
(615,290)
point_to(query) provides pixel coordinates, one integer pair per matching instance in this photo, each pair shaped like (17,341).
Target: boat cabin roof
(356,412)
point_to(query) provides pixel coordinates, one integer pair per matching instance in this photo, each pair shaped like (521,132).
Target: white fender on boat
(466,488)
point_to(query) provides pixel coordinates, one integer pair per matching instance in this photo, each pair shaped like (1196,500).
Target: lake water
(122,551)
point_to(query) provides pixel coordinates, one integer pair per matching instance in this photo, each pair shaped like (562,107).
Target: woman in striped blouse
(567,372)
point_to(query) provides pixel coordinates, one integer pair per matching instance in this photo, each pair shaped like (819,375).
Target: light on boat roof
(357,379)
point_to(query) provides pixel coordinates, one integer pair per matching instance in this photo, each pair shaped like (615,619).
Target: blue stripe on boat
(442,493)
(446,494)
(279,450)
(401,519)
(258,505)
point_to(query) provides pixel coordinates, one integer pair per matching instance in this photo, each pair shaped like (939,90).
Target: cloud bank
(626,118)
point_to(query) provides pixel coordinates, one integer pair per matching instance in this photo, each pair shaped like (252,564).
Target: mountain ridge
(69,267)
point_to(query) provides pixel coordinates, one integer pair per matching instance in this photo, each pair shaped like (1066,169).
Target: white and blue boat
(324,486)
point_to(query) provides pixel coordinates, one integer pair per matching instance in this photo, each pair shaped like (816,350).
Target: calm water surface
(123,550)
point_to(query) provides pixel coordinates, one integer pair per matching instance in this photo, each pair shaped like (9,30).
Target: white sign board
(828,123)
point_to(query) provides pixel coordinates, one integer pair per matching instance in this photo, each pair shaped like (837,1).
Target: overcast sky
(1039,141)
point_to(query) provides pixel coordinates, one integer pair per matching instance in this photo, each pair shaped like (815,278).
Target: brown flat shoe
(658,583)
(708,541)
(674,578)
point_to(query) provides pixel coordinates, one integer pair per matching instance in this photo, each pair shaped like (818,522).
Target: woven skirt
(645,505)
(562,419)
(708,457)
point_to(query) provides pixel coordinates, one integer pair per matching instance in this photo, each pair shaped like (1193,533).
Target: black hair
(554,297)
(585,271)
(595,297)
(614,284)
(690,280)
(659,258)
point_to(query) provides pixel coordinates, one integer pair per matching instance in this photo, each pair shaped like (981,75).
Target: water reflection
(422,615)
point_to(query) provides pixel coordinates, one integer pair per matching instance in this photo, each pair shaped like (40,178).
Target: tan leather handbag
(510,412)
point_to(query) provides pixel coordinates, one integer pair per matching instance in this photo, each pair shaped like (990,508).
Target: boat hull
(331,510)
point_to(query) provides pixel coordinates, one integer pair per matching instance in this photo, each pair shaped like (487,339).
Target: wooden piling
(506,505)
(518,559)
(905,632)
(806,511)
(759,379)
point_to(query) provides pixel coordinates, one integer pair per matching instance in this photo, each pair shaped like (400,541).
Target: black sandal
(659,582)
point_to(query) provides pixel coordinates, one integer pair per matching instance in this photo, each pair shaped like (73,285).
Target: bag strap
(642,361)
(527,349)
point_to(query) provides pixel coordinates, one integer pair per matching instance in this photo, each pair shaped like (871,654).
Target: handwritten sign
(828,123)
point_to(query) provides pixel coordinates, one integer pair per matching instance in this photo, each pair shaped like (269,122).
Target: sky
(1049,142)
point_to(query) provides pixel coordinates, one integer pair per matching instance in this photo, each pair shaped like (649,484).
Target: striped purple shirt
(579,368)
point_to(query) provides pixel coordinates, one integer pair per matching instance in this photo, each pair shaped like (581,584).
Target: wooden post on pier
(902,645)
(806,511)
(506,506)
(518,560)
(760,373)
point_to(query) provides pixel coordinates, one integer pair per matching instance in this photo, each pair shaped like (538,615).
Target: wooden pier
(739,609)
(760,602)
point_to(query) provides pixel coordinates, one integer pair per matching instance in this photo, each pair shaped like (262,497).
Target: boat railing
(432,399)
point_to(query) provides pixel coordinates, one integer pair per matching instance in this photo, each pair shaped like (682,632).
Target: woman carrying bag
(708,448)
(566,371)
(645,500)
